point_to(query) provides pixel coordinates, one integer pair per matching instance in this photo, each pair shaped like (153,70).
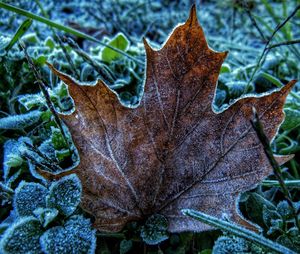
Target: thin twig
(67,55)
(257,126)
(284,43)
(106,75)
(253,21)
(43,88)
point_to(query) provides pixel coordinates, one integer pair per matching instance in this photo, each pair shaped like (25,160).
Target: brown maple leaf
(172,151)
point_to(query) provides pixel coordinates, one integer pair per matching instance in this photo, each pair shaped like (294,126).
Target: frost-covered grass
(45,216)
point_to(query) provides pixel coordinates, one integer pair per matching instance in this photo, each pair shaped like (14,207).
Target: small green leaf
(237,88)
(47,149)
(65,194)
(271,79)
(292,119)
(62,154)
(50,43)
(155,230)
(57,139)
(14,160)
(20,32)
(30,38)
(225,68)
(120,42)
(12,156)
(30,101)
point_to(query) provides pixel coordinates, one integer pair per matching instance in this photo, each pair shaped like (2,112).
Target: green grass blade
(237,231)
(272,79)
(63,28)
(277,83)
(19,33)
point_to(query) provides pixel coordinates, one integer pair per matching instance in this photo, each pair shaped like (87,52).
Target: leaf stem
(284,43)
(106,76)
(65,29)
(237,231)
(254,23)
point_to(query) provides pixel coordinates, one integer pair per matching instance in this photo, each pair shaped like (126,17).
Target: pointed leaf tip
(289,86)
(193,15)
(148,48)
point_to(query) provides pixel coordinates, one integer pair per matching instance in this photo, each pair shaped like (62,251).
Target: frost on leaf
(173,151)
(234,245)
(14,150)
(12,157)
(22,237)
(155,230)
(16,122)
(64,195)
(28,197)
(76,236)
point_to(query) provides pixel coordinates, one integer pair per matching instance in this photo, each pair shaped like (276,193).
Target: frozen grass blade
(288,183)
(66,29)
(237,231)
(23,28)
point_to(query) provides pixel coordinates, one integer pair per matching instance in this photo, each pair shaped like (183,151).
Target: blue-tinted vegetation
(40,210)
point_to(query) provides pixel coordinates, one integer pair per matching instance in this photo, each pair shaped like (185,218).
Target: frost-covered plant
(277,220)
(75,236)
(28,197)
(22,236)
(64,195)
(235,245)
(154,230)
(44,220)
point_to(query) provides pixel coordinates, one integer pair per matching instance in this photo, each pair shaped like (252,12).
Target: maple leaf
(172,151)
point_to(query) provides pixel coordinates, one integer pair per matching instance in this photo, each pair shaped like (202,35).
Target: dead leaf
(173,151)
